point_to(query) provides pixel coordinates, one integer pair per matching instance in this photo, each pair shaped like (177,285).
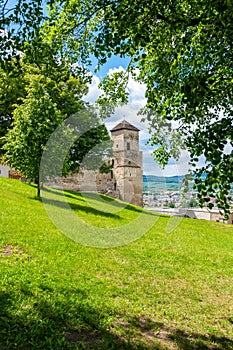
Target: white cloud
(228,148)
(94,91)
(3,33)
(130,111)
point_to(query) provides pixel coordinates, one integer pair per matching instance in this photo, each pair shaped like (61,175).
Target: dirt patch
(87,337)
(10,250)
(147,331)
(155,335)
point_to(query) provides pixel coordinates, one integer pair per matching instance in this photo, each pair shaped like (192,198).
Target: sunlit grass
(165,290)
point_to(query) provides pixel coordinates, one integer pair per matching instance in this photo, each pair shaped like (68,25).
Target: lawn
(144,281)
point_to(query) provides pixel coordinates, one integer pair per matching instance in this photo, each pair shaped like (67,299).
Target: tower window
(128,146)
(111,174)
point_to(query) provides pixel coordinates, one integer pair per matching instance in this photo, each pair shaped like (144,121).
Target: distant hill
(168,179)
(156,183)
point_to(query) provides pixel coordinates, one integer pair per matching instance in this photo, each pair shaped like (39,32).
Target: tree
(34,121)
(52,96)
(183,52)
(66,85)
(39,89)
(93,145)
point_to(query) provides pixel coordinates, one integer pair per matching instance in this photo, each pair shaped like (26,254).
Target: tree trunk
(37,181)
(38,189)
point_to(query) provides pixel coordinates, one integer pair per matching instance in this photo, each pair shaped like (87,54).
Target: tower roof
(125,125)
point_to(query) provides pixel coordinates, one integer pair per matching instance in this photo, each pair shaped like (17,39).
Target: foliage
(11,90)
(20,22)
(51,97)
(171,205)
(163,291)
(34,121)
(47,88)
(92,145)
(192,203)
(64,86)
(183,53)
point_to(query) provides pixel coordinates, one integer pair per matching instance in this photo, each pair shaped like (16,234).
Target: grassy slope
(163,291)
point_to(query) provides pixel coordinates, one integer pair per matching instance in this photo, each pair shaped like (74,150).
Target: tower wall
(127,164)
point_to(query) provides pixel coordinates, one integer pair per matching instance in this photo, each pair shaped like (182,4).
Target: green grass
(164,290)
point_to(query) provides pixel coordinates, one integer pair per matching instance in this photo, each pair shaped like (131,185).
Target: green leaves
(34,120)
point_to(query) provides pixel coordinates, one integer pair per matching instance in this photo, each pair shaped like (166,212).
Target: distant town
(166,192)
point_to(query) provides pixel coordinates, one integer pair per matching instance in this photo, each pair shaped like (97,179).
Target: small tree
(34,121)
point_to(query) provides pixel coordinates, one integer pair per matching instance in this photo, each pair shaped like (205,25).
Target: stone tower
(127,161)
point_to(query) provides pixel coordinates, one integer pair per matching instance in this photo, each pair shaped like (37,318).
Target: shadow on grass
(79,196)
(59,192)
(171,338)
(83,208)
(66,320)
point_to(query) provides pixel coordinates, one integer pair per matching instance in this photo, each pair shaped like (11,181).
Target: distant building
(4,169)
(7,171)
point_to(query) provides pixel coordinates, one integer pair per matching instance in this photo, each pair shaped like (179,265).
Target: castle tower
(127,162)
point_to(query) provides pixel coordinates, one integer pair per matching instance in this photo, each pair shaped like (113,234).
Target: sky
(129,112)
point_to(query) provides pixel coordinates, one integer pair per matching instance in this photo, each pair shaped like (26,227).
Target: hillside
(170,287)
(159,183)
(169,179)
